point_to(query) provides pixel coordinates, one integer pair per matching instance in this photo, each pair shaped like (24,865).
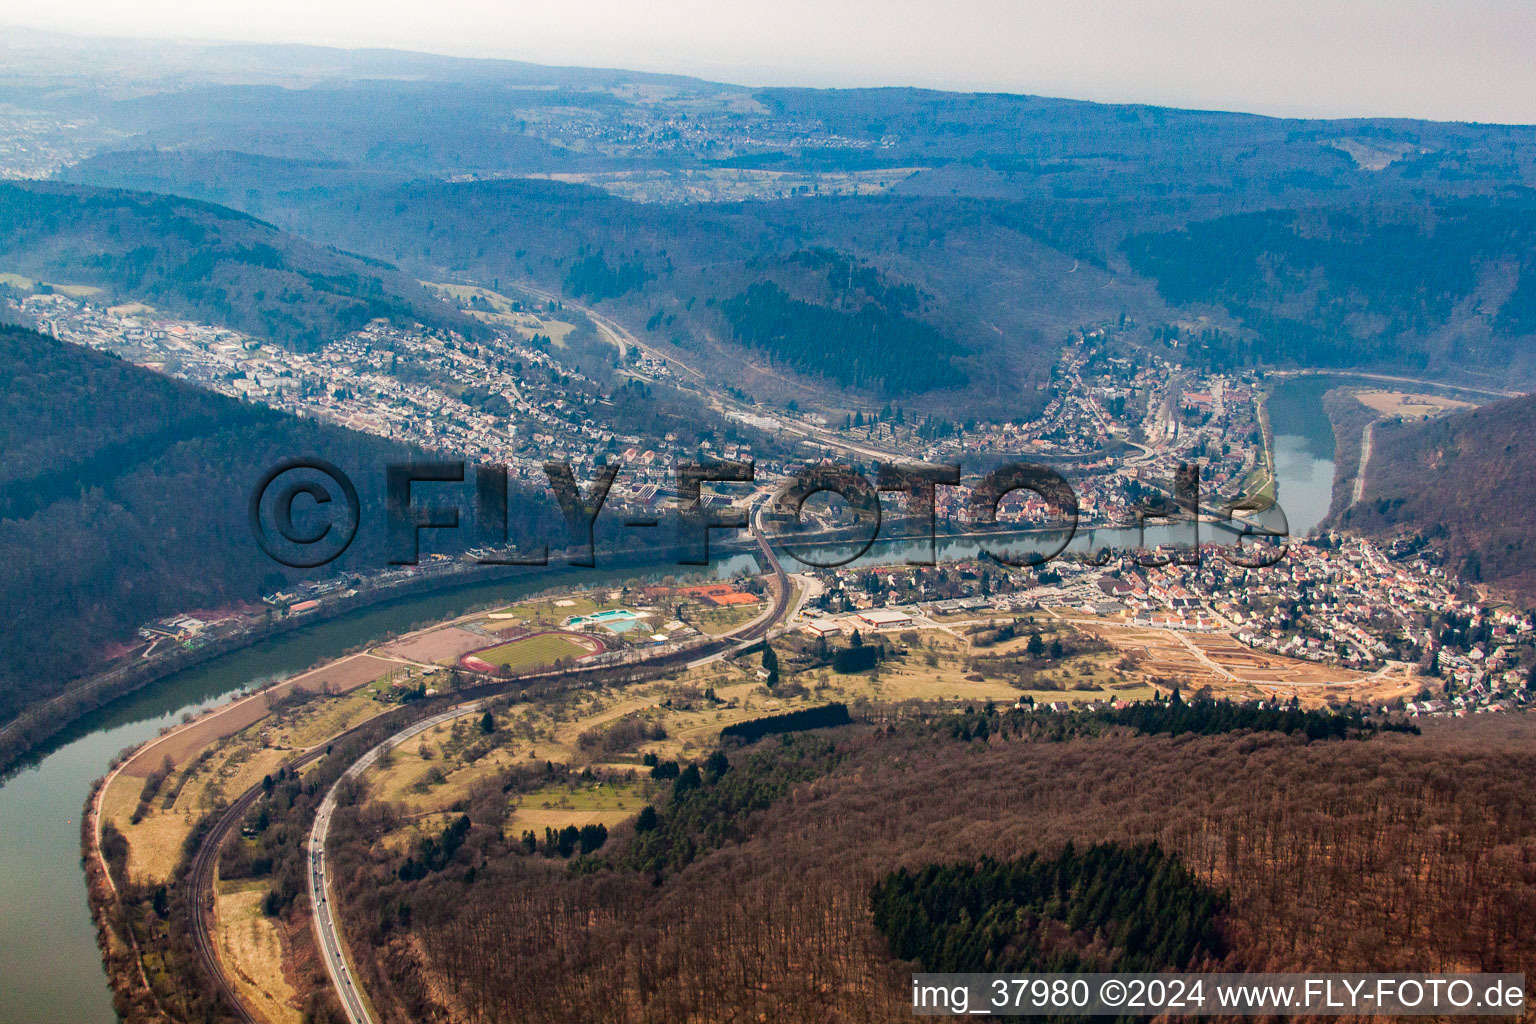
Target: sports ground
(533,652)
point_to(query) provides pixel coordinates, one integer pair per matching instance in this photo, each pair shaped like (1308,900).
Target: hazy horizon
(1413,59)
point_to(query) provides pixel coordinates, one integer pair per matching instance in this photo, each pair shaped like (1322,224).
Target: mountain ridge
(224,266)
(1465,482)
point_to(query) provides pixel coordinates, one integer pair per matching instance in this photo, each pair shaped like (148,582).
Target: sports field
(533,652)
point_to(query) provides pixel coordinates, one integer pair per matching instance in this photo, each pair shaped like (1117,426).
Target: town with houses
(1120,423)
(511,401)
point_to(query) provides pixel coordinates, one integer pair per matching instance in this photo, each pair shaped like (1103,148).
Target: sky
(1462,60)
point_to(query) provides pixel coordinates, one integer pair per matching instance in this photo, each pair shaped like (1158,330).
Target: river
(50,968)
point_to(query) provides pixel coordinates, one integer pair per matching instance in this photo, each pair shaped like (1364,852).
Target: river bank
(53,966)
(33,729)
(132,913)
(52,969)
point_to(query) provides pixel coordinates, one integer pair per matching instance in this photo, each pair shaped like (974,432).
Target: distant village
(409,385)
(1333,600)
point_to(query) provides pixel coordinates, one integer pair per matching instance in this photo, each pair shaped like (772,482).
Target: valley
(845,532)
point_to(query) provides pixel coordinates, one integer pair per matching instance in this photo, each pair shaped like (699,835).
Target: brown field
(1078,678)
(28,284)
(348,674)
(155,843)
(402,781)
(130,309)
(337,677)
(501,311)
(605,803)
(252,952)
(247,740)
(1228,667)
(1248,665)
(426,788)
(237,762)
(317,721)
(436,645)
(723,619)
(1409,406)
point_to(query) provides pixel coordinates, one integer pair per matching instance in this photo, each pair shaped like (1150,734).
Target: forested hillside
(432,116)
(1467,483)
(995,297)
(1348,242)
(1007,915)
(124,499)
(1444,288)
(806,877)
(204,262)
(845,322)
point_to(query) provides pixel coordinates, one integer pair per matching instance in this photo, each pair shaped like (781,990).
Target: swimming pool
(617,620)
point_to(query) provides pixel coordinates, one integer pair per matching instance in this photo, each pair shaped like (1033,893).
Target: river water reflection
(50,969)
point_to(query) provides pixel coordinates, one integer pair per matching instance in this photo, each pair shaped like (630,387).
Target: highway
(622,338)
(199,879)
(199,882)
(327,933)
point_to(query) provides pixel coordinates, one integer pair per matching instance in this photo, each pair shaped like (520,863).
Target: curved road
(1366,438)
(620,336)
(327,931)
(200,877)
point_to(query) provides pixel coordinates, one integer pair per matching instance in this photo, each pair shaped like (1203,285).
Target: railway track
(199,884)
(199,879)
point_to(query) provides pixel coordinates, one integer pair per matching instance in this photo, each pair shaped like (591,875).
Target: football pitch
(537,651)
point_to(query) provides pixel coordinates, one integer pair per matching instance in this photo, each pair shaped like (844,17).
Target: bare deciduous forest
(1391,852)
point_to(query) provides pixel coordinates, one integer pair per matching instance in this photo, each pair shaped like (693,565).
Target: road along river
(51,969)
